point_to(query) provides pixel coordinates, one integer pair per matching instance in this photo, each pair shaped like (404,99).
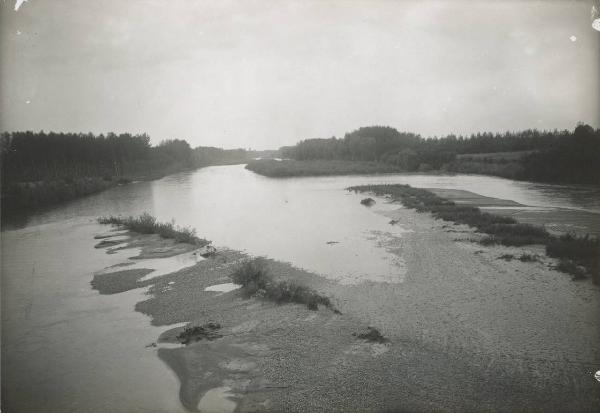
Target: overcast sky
(263,74)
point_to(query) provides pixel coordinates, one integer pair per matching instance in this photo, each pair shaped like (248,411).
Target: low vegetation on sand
(372,335)
(208,331)
(367,201)
(578,255)
(254,277)
(289,167)
(522,258)
(147,224)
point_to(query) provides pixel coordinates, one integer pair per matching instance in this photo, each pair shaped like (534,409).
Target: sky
(263,74)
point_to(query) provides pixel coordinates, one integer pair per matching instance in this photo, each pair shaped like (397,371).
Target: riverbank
(467,331)
(28,197)
(324,167)
(578,255)
(288,167)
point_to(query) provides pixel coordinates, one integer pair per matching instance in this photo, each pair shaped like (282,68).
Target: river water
(67,348)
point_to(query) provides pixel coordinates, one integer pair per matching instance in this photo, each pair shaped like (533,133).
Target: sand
(467,332)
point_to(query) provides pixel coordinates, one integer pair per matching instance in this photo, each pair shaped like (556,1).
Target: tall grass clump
(147,224)
(256,280)
(577,255)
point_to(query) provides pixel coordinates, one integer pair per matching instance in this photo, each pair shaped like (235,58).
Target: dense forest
(549,156)
(30,157)
(44,168)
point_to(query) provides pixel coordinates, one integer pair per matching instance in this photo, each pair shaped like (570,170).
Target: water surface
(67,349)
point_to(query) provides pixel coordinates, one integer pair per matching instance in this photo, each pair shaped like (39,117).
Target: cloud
(265,74)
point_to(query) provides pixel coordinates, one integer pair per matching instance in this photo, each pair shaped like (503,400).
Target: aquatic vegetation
(147,224)
(256,280)
(582,252)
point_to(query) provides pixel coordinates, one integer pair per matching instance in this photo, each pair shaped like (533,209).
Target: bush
(208,331)
(576,252)
(252,275)
(570,267)
(367,201)
(255,279)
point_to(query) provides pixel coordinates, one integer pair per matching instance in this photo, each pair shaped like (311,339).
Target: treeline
(40,168)
(551,156)
(31,157)
(208,155)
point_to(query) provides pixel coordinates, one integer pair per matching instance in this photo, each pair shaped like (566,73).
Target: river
(67,348)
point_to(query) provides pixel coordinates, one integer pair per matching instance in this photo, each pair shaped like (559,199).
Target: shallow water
(65,348)
(217,400)
(223,288)
(163,266)
(68,349)
(311,222)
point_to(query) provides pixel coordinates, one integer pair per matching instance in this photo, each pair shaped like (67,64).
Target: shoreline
(455,340)
(64,191)
(324,167)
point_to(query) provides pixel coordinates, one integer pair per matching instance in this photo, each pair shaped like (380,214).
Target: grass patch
(256,280)
(582,252)
(147,224)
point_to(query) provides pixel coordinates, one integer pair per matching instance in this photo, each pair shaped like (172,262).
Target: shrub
(570,267)
(252,275)
(367,201)
(208,331)
(255,279)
